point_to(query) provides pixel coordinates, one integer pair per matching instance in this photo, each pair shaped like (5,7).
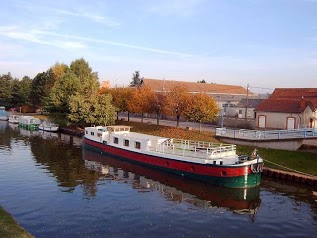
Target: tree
(141,101)
(158,104)
(24,90)
(96,110)
(136,80)
(201,81)
(201,108)
(58,70)
(176,101)
(89,83)
(6,89)
(41,88)
(63,89)
(120,98)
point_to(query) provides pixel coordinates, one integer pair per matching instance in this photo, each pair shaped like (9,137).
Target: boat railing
(195,149)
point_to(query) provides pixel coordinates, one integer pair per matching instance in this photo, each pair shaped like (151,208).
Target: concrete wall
(278,120)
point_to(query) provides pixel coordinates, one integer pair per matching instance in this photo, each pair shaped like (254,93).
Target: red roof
(307,94)
(286,106)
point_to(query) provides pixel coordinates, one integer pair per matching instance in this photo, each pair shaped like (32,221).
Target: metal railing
(195,149)
(267,135)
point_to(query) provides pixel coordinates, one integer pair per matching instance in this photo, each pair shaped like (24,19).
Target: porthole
(223,173)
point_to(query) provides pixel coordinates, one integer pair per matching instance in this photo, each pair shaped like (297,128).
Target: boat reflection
(173,187)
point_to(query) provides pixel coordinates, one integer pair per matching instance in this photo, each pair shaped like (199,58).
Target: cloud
(34,36)
(73,41)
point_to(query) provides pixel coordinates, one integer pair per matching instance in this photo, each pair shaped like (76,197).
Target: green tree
(201,108)
(15,96)
(96,110)
(41,88)
(201,81)
(64,88)
(136,80)
(5,89)
(24,90)
(89,83)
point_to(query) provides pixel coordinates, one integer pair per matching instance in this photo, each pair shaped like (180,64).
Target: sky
(263,43)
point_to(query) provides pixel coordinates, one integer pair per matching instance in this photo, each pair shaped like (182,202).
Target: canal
(53,188)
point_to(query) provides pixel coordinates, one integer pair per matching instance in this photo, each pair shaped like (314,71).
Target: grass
(305,162)
(9,228)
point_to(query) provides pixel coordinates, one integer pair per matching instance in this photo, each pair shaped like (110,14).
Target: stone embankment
(290,176)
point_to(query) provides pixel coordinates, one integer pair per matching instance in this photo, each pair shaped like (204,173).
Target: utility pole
(246,106)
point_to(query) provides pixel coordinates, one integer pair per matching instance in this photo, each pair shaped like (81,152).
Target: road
(194,125)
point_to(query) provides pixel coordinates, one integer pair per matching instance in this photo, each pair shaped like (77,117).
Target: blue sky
(264,43)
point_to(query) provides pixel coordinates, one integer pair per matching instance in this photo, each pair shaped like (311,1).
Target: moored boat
(4,116)
(29,122)
(48,126)
(210,162)
(14,119)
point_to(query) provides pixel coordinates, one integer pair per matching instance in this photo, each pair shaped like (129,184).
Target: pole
(246,106)
(221,117)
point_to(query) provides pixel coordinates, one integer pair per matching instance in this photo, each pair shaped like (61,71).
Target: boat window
(99,134)
(137,145)
(115,140)
(126,142)
(214,162)
(86,132)
(221,162)
(92,133)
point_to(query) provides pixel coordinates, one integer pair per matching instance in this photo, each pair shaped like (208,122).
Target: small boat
(14,119)
(4,116)
(29,122)
(214,163)
(48,126)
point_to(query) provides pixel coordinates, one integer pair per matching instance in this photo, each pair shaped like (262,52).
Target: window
(99,134)
(126,142)
(92,133)
(86,132)
(240,112)
(137,145)
(115,140)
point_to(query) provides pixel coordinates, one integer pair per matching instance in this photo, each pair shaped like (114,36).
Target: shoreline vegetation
(9,228)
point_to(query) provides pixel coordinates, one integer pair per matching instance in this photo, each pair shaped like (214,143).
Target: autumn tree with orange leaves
(142,101)
(120,98)
(177,100)
(201,108)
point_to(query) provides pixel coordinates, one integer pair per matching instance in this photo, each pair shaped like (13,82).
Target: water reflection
(172,187)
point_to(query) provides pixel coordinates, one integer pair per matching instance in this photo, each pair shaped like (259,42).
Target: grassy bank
(305,162)
(9,228)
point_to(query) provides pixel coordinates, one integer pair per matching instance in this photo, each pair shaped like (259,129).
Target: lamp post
(221,117)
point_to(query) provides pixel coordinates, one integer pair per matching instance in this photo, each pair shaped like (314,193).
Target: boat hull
(227,176)
(49,128)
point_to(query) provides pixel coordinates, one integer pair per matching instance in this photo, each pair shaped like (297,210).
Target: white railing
(195,149)
(267,135)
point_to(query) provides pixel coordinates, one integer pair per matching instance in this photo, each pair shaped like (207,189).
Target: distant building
(105,84)
(244,109)
(226,96)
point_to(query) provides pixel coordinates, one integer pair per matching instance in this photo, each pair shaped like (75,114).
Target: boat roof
(141,136)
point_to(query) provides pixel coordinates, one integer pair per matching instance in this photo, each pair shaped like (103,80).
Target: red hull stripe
(184,166)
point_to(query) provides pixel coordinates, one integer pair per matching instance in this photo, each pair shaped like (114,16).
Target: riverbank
(9,228)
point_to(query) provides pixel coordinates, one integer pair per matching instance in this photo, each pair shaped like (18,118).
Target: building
(226,96)
(288,108)
(244,108)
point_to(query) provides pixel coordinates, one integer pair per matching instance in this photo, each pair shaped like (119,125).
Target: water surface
(55,189)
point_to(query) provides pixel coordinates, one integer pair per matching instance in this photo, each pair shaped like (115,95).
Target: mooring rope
(290,169)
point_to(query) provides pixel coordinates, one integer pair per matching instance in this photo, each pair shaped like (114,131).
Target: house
(288,108)
(226,96)
(244,108)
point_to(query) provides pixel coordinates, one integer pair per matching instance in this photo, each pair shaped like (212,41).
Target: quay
(290,176)
(275,139)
